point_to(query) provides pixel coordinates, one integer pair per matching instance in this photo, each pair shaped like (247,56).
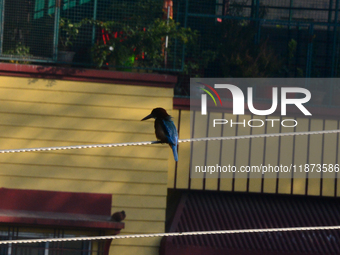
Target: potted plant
(21,51)
(144,44)
(68,31)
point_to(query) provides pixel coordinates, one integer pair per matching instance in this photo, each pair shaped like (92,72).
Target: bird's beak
(148,117)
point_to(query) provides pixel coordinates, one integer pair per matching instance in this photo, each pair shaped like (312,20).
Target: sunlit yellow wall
(273,151)
(41,113)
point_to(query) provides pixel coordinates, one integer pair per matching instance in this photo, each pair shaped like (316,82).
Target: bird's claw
(154,142)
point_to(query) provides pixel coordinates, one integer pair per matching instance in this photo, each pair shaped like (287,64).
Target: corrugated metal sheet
(198,211)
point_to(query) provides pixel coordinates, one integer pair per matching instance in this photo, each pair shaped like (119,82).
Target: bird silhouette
(165,129)
(118,216)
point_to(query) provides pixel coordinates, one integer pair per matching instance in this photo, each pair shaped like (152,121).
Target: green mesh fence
(236,38)
(296,38)
(116,34)
(264,38)
(25,31)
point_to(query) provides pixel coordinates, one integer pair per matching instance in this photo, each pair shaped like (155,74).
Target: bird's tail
(174,150)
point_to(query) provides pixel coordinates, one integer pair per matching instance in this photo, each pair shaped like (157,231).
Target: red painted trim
(166,242)
(292,111)
(178,212)
(57,202)
(181,103)
(107,246)
(88,75)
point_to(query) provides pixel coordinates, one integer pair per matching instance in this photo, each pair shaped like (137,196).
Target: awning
(66,220)
(205,211)
(57,209)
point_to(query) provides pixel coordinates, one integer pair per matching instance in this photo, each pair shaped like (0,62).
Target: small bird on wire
(118,216)
(165,129)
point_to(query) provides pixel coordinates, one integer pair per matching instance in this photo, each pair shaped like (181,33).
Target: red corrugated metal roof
(202,211)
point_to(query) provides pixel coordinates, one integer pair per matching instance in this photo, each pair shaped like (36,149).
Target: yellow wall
(297,150)
(41,113)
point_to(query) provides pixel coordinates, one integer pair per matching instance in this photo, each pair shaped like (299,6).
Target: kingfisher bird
(165,129)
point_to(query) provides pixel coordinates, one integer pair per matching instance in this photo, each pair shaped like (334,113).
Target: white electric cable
(93,238)
(217,232)
(108,145)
